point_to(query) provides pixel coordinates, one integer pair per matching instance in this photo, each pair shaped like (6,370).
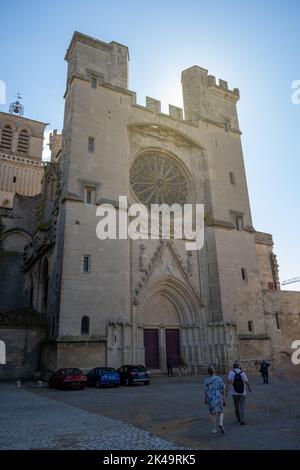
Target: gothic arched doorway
(169,316)
(161,332)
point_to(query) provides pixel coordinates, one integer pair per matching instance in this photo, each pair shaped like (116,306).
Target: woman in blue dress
(214,390)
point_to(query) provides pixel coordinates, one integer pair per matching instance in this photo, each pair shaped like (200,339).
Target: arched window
(23,141)
(85,325)
(6,137)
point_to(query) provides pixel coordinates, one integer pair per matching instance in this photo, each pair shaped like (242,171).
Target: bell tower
(21,147)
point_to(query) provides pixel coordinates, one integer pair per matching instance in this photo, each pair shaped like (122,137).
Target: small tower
(16,107)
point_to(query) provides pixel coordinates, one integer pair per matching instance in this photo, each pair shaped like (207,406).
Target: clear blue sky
(254,45)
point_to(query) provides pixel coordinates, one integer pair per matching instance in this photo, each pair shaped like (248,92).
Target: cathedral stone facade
(111,302)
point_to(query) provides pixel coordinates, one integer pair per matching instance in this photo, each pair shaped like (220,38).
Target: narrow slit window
(277,321)
(227,125)
(89,195)
(244,274)
(94,82)
(239,224)
(91,144)
(86,264)
(232,177)
(85,325)
(250,326)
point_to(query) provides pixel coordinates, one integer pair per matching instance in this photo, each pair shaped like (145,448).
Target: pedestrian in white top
(237,384)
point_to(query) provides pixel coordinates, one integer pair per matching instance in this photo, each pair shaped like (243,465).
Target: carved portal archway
(170,313)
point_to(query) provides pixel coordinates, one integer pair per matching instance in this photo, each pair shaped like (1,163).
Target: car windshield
(71,372)
(139,369)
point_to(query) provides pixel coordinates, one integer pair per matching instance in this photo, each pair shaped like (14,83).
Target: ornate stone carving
(142,258)
(154,260)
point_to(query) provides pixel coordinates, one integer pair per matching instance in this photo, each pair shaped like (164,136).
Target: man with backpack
(237,383)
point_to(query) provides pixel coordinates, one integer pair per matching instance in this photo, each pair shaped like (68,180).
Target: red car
(68,378)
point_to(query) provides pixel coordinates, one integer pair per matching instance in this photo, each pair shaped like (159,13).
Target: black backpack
(238,383)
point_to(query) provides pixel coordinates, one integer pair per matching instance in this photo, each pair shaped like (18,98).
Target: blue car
(103,376)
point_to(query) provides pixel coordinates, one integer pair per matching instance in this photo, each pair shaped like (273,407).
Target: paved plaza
(32,422)
(168,414)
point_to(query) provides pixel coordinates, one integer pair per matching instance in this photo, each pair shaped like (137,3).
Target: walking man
(264,366)
(237,383)
(169,365)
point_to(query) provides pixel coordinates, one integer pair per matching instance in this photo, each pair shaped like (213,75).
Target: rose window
(157,179)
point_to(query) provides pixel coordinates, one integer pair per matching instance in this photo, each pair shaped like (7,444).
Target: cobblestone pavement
(29,421)
(173,409)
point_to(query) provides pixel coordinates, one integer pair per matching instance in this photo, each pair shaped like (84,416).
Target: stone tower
(229,225)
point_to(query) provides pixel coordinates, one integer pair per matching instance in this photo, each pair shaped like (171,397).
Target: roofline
(27,119)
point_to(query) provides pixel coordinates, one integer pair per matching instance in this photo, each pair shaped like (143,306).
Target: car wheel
(146,383)
(82,387)
(127,382)
(98,384)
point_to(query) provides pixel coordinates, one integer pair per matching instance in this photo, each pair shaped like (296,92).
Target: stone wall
(282,311)
(22,352)
(266,259)
(82,354)
(11,281)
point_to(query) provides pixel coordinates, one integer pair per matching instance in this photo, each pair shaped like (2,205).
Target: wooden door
(151,349)
(173,346)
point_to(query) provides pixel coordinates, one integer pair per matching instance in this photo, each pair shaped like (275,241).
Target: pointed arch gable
(151,272)
(180,295)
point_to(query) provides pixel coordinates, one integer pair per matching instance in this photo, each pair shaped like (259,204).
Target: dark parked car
(103,376)
(134,374)
(68,378)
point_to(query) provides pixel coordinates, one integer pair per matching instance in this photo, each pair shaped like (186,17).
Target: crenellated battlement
(222,85)
(106,64)
(198,75)
(154,106)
